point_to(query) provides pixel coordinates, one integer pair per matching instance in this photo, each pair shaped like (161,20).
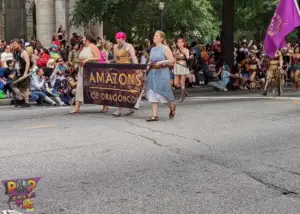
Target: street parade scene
(149,107)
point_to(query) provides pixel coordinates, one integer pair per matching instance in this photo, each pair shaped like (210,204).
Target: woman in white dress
(89,53)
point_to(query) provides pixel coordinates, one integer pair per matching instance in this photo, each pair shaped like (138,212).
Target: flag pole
(297,6)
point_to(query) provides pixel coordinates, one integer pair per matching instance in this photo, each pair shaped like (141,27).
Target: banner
(119,85)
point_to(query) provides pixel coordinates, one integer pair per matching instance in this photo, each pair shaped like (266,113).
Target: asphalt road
(231,155)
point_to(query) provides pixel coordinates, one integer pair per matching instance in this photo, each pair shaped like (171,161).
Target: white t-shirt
(6,56)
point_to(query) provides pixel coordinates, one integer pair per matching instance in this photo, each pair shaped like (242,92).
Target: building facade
(40,18)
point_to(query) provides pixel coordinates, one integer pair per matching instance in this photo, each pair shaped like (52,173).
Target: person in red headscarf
(124,53)
(181,70)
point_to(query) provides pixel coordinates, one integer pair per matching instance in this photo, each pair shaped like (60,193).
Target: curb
(5,102)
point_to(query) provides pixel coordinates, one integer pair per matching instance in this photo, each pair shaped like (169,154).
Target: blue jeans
(219,85)
(41,95)
(33,97)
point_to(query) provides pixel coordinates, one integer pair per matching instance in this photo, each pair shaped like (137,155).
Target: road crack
(167,133)
(272,186)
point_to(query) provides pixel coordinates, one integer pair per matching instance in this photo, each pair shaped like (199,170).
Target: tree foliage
(140,18)
(254,16)
(201,18)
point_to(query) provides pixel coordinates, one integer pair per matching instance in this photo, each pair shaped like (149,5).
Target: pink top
(102,57)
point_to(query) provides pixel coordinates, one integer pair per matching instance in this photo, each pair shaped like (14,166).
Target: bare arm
(132,54)
(281,60)
(169,55)
(187,53)
(217,74)
(25,56)
(258,64)
(96,54)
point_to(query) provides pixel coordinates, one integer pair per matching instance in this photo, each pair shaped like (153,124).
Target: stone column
(45,21)
(97,29)
(2,27)
(29,19)
(60,14)
(73,29)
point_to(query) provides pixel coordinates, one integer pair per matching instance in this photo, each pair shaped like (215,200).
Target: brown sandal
(172,112)
(152,119)
(105,109)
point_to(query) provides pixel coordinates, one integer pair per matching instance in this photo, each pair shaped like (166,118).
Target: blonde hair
(162,35)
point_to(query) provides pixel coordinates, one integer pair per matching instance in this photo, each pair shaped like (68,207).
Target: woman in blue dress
(158,79)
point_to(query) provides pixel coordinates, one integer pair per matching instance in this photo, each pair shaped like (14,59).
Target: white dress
(86,53)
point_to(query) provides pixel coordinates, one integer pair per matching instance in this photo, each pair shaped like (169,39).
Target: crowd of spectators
(53,70)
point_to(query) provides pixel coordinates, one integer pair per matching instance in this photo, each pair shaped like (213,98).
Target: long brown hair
(162,35)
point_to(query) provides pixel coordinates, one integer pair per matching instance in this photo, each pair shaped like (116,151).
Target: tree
(254,17)
(140,18)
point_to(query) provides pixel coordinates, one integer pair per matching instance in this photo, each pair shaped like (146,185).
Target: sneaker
(25,105)
(225,89)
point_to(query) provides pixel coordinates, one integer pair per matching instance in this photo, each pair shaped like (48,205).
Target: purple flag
(286,18)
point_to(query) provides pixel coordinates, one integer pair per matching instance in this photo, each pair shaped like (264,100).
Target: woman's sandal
(105,109)
(117,114)
(74,112)
(172,112)
(130,112)
(152,119)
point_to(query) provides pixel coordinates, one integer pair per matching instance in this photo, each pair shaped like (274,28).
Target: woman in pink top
(103,58)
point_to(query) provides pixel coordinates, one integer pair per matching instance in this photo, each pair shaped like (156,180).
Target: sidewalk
(201,91)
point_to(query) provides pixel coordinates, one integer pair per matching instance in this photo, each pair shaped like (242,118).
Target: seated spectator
(37,87)
(6,55)
(54,54)
(8,78)
(43,58)
(51,63)
(58,74)
(213,80)
(227,77)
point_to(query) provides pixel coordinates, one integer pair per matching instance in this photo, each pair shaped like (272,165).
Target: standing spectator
(74,60)
(22,65)
(74,40)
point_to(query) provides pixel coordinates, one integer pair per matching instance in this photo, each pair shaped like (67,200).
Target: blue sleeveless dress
(158,80)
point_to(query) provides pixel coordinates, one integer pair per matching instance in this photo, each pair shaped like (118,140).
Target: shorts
(24,84)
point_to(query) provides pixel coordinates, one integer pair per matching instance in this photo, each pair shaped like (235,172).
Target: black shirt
(8,72)
(210,76)
(20,61)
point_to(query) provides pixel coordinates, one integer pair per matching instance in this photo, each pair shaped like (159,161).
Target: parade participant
(181,70)
(273,72)
(158,79)
(89,53)
(22,66)
(123,53)
(295,62)
(253,67)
